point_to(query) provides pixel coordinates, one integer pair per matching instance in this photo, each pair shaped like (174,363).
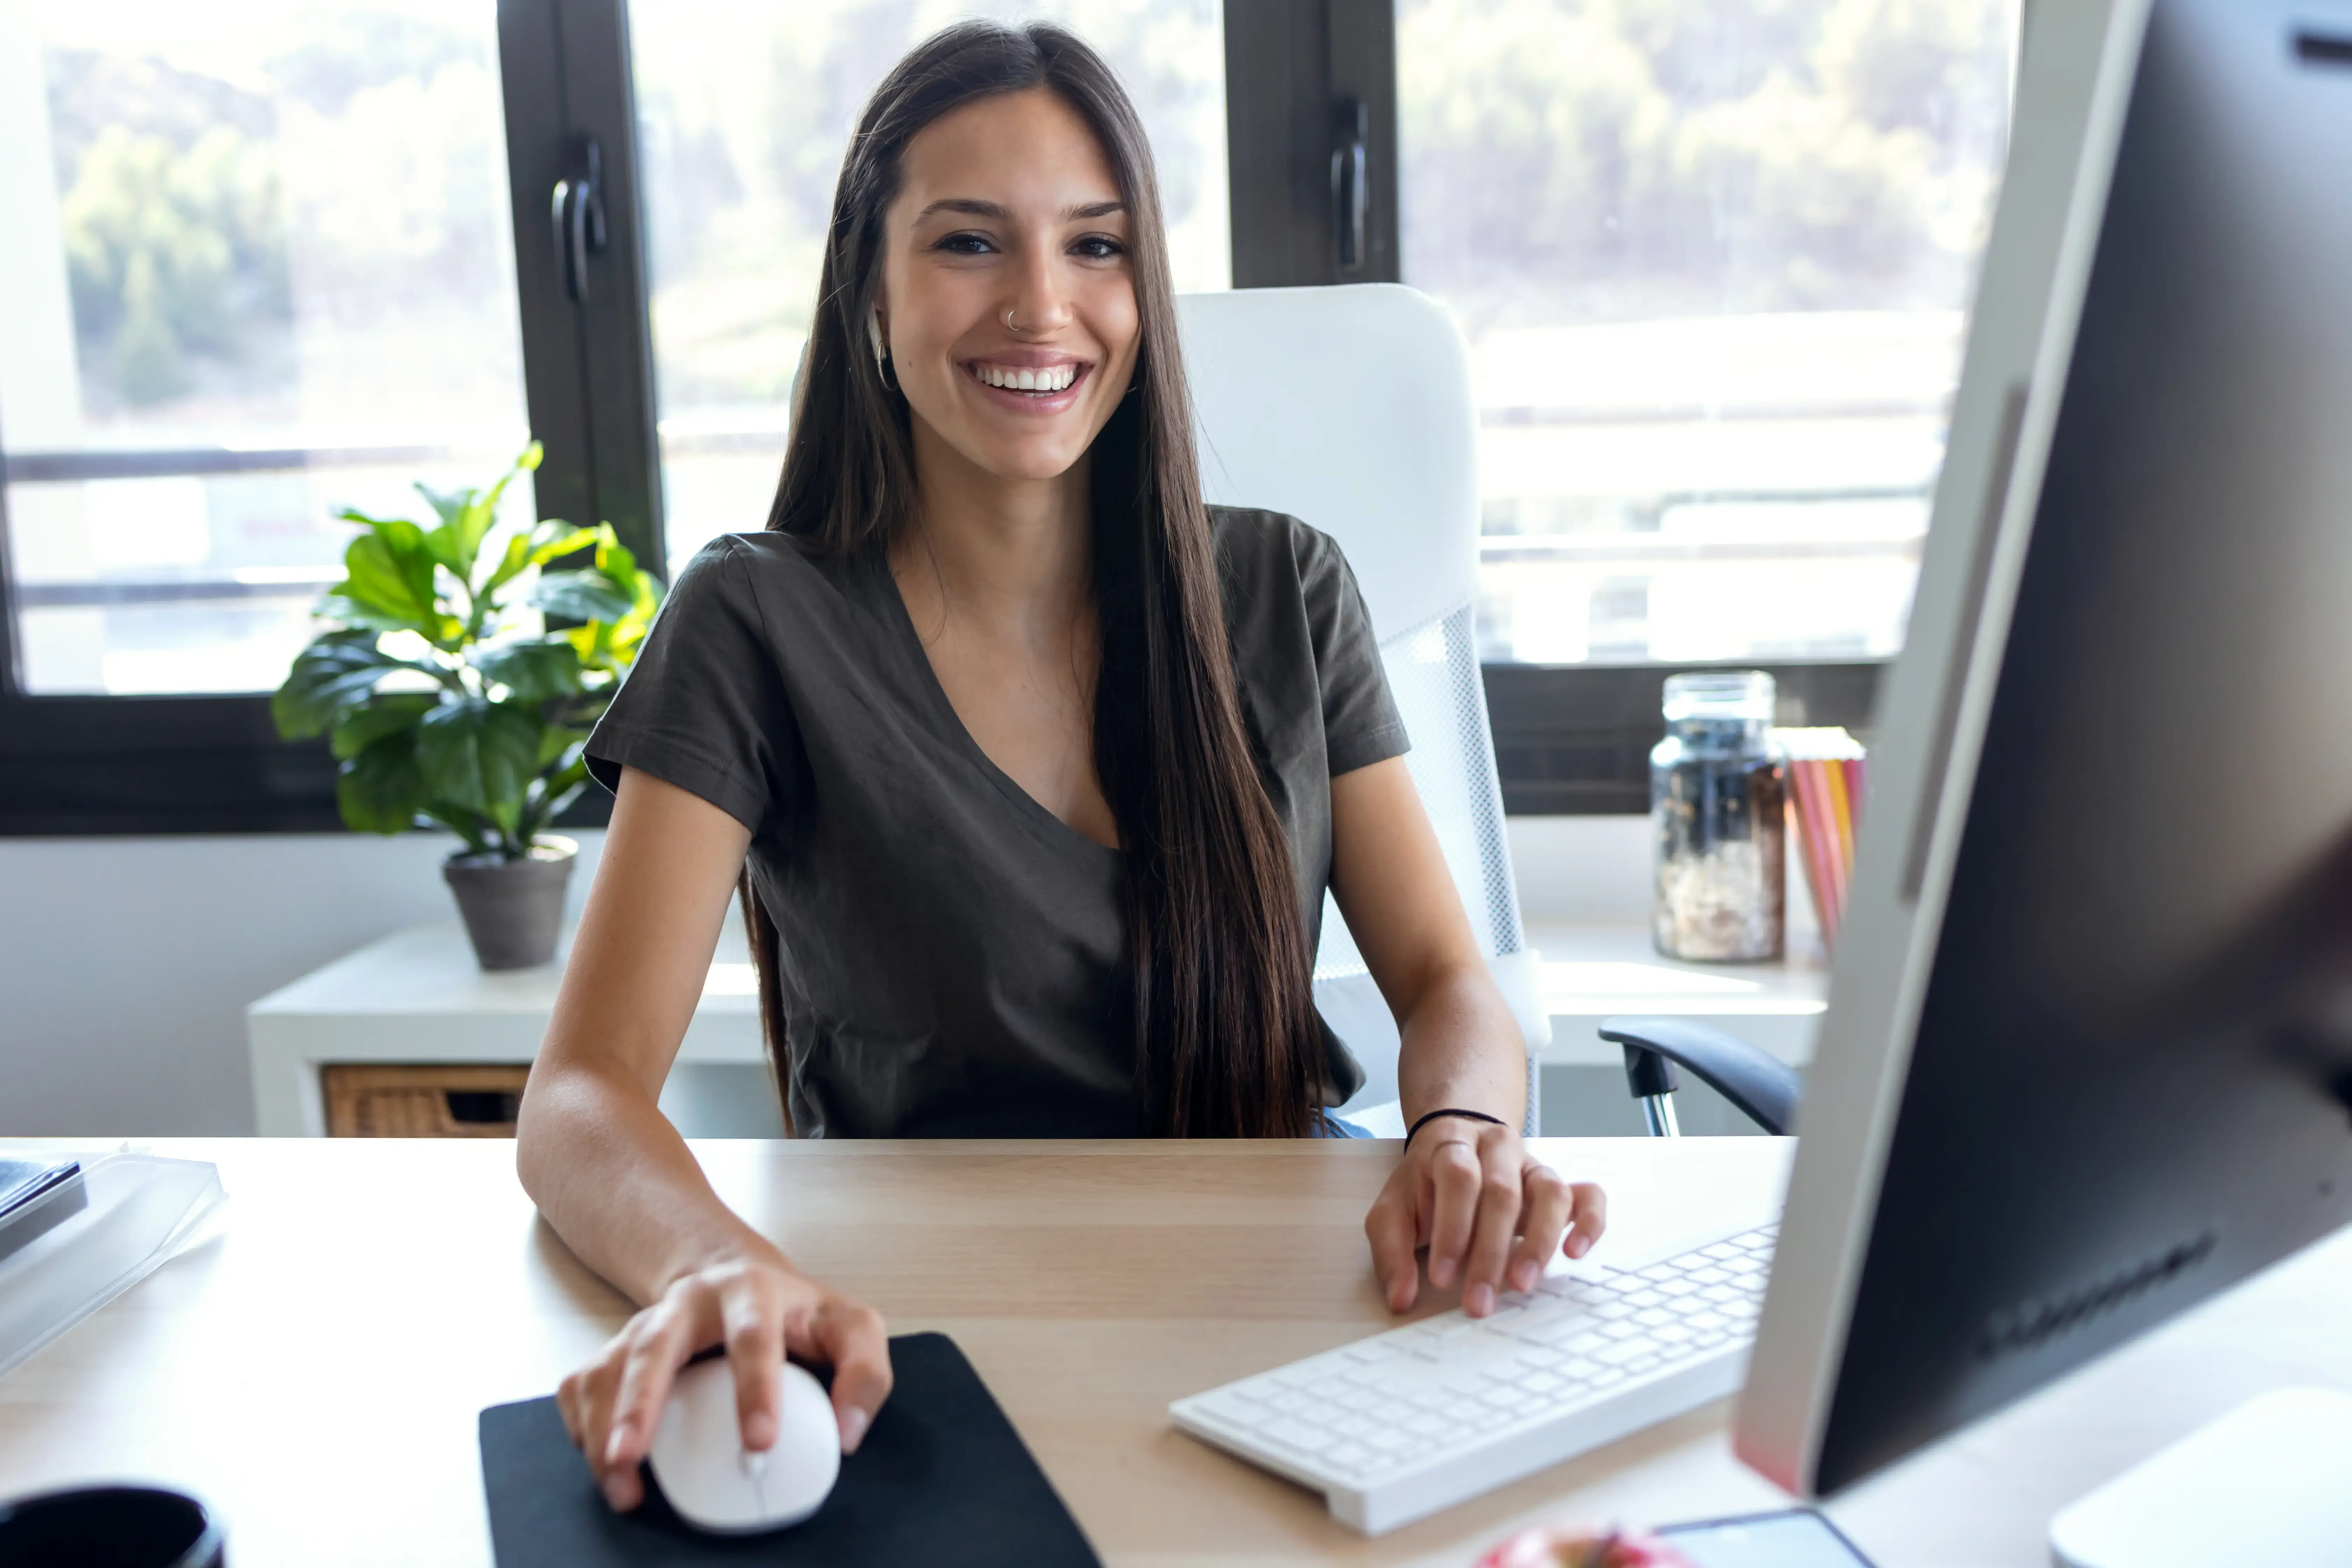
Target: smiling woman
(1035,768)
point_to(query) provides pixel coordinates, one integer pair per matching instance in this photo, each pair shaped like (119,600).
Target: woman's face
(1007,299)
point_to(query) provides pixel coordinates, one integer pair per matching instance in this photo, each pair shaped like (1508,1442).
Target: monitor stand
(2265,1483)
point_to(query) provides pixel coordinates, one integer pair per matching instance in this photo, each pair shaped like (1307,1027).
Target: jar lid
(1742,694)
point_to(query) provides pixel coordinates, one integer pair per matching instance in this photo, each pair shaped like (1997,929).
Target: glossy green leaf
(477,753)
(617,562)
(390,571)
(446,504)
(534,671)
(555,742)
(581,596)
(567,542)
(335,672)
(513,561)
(388,714)
(382,790)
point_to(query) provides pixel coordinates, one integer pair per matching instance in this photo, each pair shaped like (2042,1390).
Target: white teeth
(1053,378)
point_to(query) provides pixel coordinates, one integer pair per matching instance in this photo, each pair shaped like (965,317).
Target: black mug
(109,1527)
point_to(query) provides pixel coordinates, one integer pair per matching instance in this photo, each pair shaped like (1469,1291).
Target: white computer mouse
(714,1483)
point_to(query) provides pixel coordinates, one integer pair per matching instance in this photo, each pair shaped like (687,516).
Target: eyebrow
(974,207)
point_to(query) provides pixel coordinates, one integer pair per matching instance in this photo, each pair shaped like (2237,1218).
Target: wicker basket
(422,1101)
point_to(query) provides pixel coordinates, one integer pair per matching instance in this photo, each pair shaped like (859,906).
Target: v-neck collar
(949,723)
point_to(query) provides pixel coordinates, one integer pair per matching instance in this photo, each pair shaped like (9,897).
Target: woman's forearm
(1461,1049)
(613,1176)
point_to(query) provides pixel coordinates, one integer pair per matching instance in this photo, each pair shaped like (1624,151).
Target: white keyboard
(1422,1418)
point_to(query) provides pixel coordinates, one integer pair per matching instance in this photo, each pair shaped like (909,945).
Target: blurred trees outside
(170,254)
(260,228)
(1569,160)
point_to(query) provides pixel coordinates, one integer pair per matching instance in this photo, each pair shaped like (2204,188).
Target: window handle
(1350,190)
(578,210)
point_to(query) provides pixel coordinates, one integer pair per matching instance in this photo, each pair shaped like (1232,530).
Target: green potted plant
(456,681)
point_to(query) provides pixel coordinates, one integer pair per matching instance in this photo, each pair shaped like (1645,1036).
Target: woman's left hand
(1491,1215)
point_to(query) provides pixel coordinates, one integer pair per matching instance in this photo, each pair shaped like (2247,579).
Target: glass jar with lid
(1718,817)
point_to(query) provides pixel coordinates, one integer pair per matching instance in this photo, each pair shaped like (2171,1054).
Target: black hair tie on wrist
(1451,1110)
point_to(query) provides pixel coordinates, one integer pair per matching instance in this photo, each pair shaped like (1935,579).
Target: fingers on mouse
(716,1484)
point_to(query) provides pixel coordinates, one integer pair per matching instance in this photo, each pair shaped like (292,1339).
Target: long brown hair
(1225,1038)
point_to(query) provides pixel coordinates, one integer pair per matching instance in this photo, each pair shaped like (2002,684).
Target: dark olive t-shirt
(953,954)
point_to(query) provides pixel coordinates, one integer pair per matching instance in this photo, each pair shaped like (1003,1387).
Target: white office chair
(1349,408)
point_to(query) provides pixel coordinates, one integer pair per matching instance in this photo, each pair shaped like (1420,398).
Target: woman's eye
(966,244)
(1099,248)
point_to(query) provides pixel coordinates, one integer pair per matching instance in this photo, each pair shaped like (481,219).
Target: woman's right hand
(761,1311)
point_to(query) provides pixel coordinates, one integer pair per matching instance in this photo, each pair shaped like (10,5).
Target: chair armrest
(1755,1081)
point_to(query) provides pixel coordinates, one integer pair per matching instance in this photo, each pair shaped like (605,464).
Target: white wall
(126,964)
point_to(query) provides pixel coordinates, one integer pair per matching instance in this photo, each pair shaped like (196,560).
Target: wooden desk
(315,1370)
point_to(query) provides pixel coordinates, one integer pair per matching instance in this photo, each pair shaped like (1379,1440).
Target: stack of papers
(137,1210)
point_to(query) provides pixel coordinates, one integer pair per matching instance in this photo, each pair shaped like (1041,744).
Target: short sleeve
(1361,723)
(705,706)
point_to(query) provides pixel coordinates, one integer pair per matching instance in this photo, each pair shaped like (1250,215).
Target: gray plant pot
(513,909)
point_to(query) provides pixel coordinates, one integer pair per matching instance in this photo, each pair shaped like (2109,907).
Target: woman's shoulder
(1258,546)
(766,552)
(769,571)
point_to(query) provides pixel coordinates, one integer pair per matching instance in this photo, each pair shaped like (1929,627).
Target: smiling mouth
(1033,381)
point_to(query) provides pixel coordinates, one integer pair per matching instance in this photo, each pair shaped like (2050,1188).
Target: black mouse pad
(941,1478)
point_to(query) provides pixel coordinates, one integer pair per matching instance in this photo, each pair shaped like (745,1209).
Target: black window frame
(203,763)
(1305,82)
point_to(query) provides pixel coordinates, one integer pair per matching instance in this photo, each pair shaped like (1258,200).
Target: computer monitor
(2087,1057)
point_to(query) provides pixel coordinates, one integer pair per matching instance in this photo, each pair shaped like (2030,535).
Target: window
(268,260)
(259,269)
(743,113)
(1712,257)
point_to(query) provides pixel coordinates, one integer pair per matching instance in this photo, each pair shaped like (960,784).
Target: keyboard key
(1552,1331)
(1228,1406)
(1297,1435)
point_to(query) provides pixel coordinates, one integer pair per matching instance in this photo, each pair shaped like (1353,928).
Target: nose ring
(1008,320)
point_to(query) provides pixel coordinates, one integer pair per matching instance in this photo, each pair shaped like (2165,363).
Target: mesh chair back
(1350,407)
